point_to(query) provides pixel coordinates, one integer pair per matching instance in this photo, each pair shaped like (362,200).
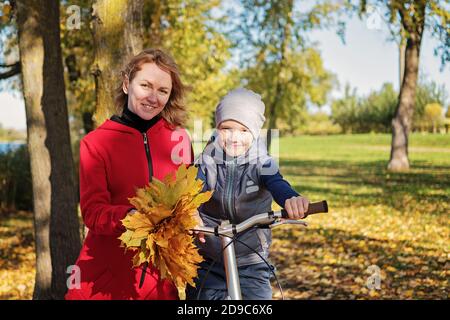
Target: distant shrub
(15,179)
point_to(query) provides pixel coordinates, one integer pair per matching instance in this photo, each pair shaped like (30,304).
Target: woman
(121,155)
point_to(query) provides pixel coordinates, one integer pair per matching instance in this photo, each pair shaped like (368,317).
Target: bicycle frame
(227,231)
(229,255)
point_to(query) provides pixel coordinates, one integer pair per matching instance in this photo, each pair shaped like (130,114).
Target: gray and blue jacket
(243,186)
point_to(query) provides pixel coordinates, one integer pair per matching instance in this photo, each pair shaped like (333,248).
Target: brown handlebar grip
(313,208)
(317,207)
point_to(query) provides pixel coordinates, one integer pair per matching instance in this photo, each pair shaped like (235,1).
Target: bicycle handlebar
(262,219)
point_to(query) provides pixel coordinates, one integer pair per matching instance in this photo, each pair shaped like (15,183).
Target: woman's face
(235,138)
(149,91)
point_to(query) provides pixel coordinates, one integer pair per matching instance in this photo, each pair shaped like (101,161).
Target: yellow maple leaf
(159,231)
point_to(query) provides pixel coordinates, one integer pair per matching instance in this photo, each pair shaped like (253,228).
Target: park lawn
(395,222)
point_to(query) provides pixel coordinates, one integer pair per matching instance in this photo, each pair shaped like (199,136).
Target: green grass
(396,221)
(351,170)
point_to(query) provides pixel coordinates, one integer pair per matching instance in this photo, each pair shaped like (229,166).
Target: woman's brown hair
(174,112)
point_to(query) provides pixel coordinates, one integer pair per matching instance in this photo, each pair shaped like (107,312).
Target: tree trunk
(118,35)
(55,208)
(402,122)
(272,113)
(401,64)
(153,25)
(277,97)
(88,123)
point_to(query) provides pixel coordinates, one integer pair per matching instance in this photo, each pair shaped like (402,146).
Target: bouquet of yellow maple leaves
(159,231)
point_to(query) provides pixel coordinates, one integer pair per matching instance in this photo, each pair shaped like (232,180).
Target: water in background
(10,146)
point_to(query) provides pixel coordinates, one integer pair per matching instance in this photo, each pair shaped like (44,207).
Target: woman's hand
(200,235)
(296,207)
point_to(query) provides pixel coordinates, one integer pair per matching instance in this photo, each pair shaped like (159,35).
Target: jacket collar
(131,119)
(116,126)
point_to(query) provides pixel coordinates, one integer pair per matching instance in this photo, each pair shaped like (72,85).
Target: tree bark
(402,122)
(118,35)
(56,223)
(401,64)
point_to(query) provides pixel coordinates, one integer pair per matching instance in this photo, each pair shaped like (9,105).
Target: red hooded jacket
(113,164)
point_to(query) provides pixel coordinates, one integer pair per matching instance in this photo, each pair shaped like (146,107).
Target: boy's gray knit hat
(244,106)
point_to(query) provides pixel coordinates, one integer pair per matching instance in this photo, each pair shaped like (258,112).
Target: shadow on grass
(368,183)
(16,237)
(306,271)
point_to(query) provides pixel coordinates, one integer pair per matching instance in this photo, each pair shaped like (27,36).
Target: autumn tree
(118,35)
(344,111)
(55,206)
(9,59)
(427,92)
(78,56)
(434,115)
(278,62)
(190,32)
(371,113)
(414,17)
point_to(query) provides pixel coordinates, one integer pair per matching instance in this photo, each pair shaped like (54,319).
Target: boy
(245,179)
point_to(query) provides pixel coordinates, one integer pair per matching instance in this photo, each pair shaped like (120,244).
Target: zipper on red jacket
(150,175)
(149,157)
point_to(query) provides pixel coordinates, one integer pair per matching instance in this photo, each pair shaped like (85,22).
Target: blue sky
(366,61)
(368,58)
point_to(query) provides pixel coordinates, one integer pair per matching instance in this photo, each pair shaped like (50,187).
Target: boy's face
(235,138)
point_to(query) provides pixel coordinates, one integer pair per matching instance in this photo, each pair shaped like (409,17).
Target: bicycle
(227,232)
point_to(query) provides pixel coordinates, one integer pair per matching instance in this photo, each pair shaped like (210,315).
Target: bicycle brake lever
(288,221)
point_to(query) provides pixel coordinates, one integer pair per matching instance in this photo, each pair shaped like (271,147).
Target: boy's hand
(296,207)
